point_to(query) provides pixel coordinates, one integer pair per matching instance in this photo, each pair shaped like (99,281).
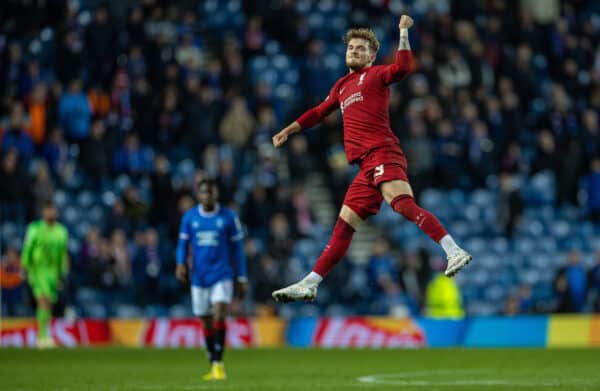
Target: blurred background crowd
(115,109)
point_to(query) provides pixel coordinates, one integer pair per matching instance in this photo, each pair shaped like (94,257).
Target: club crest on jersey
(195,224)
(362,78)
(219,223)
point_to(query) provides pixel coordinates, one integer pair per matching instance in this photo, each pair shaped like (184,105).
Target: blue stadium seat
(481,308)
(85,199)
(476,245)
(180,311)
(109,198)
(128,311)
(8,228)
(495,293)
(61,198)
(483,198)
(96,215)
(121,183)
(500,244)
(524,245)
(95,310)
(272,48)
(74,245)
(71,215)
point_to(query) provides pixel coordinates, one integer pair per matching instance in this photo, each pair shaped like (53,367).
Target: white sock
(449,245)
(313,278)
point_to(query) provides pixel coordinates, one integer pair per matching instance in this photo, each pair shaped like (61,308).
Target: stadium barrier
(349,332)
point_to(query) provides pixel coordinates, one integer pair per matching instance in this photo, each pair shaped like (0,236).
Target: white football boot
(295,292)
(456,261)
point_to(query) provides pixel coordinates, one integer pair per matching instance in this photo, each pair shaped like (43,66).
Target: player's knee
(404,204)
(220,312)
(353,216)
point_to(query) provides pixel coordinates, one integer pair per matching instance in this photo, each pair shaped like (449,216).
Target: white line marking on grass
(458,378)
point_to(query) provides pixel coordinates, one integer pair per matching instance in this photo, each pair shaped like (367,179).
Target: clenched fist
(406,22)
(280,138)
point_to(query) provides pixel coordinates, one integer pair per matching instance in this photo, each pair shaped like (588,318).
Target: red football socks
(406,206)
(336,248)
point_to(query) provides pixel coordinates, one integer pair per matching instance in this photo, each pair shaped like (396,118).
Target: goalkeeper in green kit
(45,260)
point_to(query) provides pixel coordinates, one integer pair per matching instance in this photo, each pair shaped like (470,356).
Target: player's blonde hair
(363,33)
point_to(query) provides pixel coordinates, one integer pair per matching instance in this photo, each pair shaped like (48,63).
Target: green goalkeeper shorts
(44,285)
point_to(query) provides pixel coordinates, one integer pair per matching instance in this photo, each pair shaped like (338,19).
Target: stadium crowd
(116,110)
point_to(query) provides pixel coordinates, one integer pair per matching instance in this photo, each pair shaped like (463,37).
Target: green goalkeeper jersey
(45,248)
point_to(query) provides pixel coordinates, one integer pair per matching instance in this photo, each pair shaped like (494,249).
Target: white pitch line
(412,379)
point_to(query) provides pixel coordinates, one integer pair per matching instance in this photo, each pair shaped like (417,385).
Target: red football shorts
(379,165)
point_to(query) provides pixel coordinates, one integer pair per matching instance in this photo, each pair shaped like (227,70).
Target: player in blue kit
(214,235)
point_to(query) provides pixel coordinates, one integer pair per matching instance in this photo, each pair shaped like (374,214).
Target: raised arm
(309,119)
(404,58)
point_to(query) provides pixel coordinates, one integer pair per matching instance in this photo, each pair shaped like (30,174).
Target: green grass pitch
(118,369)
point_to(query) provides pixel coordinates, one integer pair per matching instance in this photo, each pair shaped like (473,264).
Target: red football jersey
(364,98)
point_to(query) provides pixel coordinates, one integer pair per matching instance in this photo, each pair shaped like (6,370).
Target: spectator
(448,155)
(119,259)
(591,186)
(169,122)
(161,188)
(100,44)
(141,101)
(37,106)
(13,190)
(257,212)
(133,158)
(303,216)
(418,149)
(280,239)
(85,269)
(94,156)
(415,274)
(570,285)
(201,111)
(443,298)
(594,284)
(510,205)
(268,277)
(74,112)
(43,188)
(237,124)
(300,162)
(147,268)
(591,134)
(56,152)
(117,219)
(254,37)
(135,207)
(16,137)
(188,55)
(481,151)
(11,283)
(383,276)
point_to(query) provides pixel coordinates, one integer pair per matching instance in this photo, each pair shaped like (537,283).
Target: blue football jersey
(214,238)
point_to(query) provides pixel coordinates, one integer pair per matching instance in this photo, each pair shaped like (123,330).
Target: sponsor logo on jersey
(207,238)
(362,78)
(356,97)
